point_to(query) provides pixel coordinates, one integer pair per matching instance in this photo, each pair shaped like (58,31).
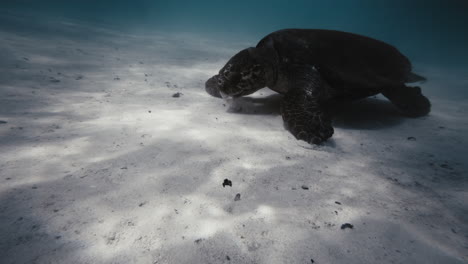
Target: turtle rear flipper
(302,109)
(409,100)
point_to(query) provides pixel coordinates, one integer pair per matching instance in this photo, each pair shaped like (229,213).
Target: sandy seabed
(100,163)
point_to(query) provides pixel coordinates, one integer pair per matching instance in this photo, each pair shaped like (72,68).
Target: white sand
(100,164)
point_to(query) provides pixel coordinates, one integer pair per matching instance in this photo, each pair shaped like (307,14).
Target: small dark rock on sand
(411,138)
(3,122)
(347,225)
(53,80)
(227,182)
(305,187)
(177,95)
(445,166)
(238,197)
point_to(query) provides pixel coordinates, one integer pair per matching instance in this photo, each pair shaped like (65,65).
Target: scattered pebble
(79,77)
(445,166)
(411,138)
(337,202)
(228,258)
(177,95)
(238,197)
(227,182)
(197,241)
(117,79)
(142,203)
(347,225)
(53,80)
(3,122)
(312,261)
(124,168)
(288,158)
(305,187)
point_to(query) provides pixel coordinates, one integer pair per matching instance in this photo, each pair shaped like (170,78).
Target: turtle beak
(211,86)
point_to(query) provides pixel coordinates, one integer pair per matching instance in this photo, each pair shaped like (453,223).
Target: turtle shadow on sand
(268,105)
(368,114)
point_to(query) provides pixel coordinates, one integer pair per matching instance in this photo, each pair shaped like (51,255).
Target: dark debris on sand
(347,225)
(227,182)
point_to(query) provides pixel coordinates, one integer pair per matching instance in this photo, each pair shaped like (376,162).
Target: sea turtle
(316,69)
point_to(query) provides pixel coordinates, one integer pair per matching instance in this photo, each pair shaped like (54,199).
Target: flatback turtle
(316,69)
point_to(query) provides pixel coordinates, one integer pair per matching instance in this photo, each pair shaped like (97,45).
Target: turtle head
(243,74)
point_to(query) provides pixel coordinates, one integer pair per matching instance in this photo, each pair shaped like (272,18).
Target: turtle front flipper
(303,109)
(409,100)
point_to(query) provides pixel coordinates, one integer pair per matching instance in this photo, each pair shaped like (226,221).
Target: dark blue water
(433,32)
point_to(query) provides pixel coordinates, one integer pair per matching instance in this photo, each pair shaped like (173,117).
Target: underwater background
(111,150)
(432,31)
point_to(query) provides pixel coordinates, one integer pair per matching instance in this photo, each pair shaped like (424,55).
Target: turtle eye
(234,77)
(226,71)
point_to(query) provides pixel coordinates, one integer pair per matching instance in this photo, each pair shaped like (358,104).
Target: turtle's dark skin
(317,68)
